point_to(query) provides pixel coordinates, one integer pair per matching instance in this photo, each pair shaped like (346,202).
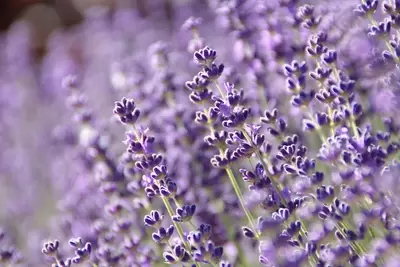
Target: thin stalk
(265,166)
(192,225)
(237,188)
(220,90)
(177,226)
(276,186)
(235,185)
(176,202)
(170,210)
(388,46)
(241,200)
(317,127)
(278,189)
(179,206)
(331,122)
(57,259)
(352,119)
(356,248)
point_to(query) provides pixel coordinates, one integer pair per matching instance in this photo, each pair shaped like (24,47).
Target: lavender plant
(258,133)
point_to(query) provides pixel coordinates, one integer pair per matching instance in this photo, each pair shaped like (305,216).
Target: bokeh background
(40,43)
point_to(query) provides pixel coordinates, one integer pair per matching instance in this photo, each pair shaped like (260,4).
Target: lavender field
(202,133)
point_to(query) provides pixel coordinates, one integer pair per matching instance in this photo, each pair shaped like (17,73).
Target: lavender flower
(257,133)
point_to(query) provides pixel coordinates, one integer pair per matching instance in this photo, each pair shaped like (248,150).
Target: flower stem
(220,90)
(352,119)
(317,127)
(388,46)
(241,200)
(277,188)
(177,226)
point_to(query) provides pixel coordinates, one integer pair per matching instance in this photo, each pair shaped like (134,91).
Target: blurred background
(41,42)
(44,16)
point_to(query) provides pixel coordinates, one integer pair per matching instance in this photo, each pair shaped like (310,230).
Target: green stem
(277,187)
(265,166)
(352,119)
(176,202)
(193,226)
(317,127)
(177,226)
(220,90)
(331,122)
(241,200)
(356,247)
(57,259)
(388,46)
(235,185)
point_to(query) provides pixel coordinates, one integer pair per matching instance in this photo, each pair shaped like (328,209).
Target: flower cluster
(82,252)
(257,133)
(192,247)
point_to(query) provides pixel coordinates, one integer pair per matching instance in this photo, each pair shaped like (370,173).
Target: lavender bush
(257,133)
